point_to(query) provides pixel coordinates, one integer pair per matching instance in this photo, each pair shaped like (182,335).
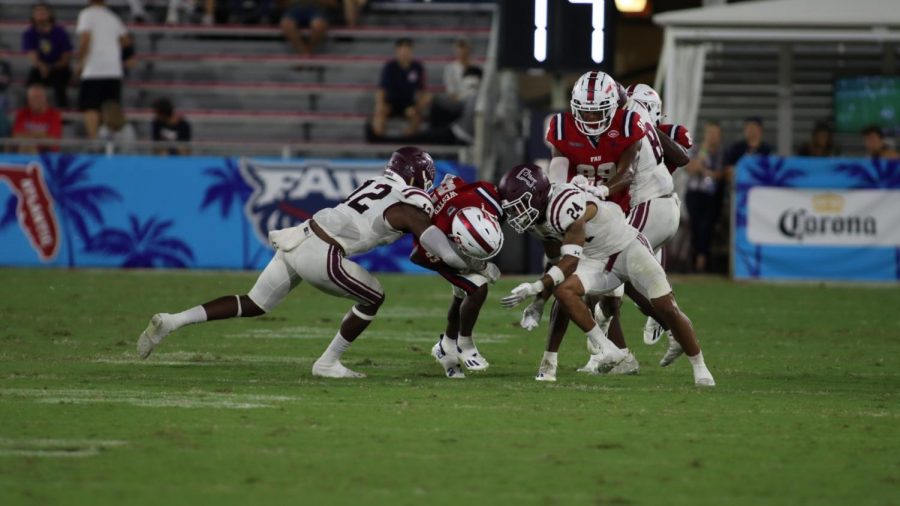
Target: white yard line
(149,399)
(55,448)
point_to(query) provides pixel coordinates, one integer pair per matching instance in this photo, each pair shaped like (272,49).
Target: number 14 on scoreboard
(598,22)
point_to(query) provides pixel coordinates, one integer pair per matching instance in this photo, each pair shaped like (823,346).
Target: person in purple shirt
(50,51)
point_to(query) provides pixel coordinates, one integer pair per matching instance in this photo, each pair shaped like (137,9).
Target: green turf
(806,411)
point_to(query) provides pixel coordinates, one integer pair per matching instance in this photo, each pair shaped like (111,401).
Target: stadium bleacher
(236,82)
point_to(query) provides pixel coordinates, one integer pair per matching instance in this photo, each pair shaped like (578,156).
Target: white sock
(598,336)
(465,342)
(550,356)
(697,362)
(337,348)
(190,316)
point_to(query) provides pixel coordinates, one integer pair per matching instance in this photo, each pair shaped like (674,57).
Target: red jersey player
(468,213)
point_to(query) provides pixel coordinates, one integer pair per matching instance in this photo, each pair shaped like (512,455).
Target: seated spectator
(37,120)
(876,145)
(753,144)
(821,143)
(101,39)
(114,127)
(352,9)
(170,127)
(703,197)
(401,91)
(454,71)
(300,14)
(50,51)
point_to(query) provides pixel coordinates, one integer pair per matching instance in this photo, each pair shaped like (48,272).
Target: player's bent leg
(683,333)
(445,351)
(469,310)
(272,285)
(570,294)
(559,323)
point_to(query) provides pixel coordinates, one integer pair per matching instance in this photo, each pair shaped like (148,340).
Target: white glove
(531,317)
(491,271)
(601,192)
(520,293)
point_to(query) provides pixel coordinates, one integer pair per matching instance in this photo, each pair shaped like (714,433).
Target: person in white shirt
(455,70)
(115,127)
(101,36)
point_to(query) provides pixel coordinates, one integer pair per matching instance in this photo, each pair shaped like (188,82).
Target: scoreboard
(557,35)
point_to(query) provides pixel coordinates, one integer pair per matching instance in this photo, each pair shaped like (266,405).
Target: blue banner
(816,219)
(178,212)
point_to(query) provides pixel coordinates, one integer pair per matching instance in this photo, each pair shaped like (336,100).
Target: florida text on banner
(817,219)
(180,212)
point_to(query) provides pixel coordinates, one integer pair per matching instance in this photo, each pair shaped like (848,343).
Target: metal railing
(483,148)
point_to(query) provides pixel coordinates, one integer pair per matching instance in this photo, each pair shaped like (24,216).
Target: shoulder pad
(567,204)
(556,129)
(490,196)
(633,125)
(417,198)
(679,134)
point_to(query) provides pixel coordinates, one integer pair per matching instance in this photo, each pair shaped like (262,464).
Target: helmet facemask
(520,213)
(605,110)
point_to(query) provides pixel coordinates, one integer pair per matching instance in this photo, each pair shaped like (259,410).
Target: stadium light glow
(633,6)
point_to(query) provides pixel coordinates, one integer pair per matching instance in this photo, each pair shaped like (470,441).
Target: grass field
(807,410)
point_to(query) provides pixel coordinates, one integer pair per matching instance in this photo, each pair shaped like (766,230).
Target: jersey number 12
(355,200)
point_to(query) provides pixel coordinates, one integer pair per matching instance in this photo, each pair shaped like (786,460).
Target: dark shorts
(399,106)
(305,16)
(94,92)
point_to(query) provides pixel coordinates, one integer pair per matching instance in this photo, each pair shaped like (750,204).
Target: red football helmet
(414,166)
(524,194)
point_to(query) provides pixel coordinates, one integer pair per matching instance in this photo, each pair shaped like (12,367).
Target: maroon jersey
(451,196)
(596,160)
(679,134)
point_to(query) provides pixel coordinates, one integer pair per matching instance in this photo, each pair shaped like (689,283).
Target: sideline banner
(179,212)
(817,219)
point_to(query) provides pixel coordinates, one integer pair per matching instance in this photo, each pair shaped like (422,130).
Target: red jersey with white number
(679,134)
(596,158)
(451,196)
(652,178)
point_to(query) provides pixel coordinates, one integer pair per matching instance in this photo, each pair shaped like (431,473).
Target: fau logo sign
(286,194)
(34,207)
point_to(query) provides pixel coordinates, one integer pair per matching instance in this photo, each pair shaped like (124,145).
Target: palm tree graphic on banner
(229,190)
(875,173)
(143,244)
(760,171)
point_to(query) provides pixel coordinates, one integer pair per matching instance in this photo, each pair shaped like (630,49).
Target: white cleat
(591,366)
(473,360)
(152,336)
(627,367)
(546,372)
(672,353)
(652,331)
(448,357)
(333,369)
(703,378)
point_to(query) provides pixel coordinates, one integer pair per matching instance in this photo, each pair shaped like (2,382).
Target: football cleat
(672,353)
(473,360)
(333,369)
(156,330)
(591,366)
(448,357)
(652,331)
(546,372)
(626,367)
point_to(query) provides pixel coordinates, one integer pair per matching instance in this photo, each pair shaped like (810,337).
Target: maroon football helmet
(414,166)
(524,194)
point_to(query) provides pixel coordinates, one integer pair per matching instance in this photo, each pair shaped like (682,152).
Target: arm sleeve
(421,84)
(435,242)
(184,131)
(19,123)
(28,41)
(384,81)
(65,40)
(558,172)
(83,24)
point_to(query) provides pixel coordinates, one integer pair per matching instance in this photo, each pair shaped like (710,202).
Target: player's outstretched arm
(673,153)
(573,241)
(410,219)
(558,171)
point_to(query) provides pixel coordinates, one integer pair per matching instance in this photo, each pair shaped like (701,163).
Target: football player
(599,251)
(379,212)
(470,214)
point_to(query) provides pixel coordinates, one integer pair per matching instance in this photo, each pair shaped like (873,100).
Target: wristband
(556,274)
(572,250)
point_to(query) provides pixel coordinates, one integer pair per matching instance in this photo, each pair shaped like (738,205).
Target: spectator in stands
(821,142)
(170,127)
(454,71)
(300,14)
(37,120)
(101,39)
(50,51)
(753,144)
(703,197)
(115,128)
(352,9)
(401,90)
(876,145)
(5,80)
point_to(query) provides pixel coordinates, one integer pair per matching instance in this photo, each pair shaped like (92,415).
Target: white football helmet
(594,92)
(649,98)
(477,233)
